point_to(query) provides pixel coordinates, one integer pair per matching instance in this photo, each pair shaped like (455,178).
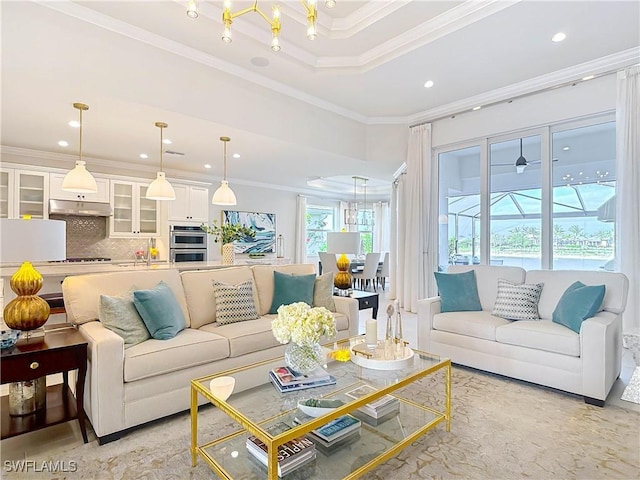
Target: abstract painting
(264,224)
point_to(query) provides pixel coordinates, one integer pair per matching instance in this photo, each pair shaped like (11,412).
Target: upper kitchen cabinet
(29,196)
(133,214)
(6,193)
(191,205)
(56,192)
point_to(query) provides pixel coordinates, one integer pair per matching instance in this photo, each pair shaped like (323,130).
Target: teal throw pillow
(160,311)
(291,289)
(458,292)
(119,315)
(578,302)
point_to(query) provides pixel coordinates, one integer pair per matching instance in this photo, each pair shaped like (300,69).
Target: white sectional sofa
(542,352)
(150,380)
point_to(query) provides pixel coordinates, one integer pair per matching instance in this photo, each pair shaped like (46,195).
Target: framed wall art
(264,224)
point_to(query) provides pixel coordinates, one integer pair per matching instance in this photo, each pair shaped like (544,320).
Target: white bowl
(313,411)
(222,387)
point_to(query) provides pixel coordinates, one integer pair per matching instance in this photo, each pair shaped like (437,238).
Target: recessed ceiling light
(588,77)
(236,155)
(477,108)
(166,141)
(558,37)
(259,61)
(566,148)
(428,84)
(206,165)
(144,155)
(63,143)
(74,123)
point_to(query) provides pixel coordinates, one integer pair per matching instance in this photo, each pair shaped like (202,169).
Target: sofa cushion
(517,301)
(458,292)
(119,315)
(289,289)
(188,348)
(578,302)
(487,280)
(323,292)
(473,324)
(198,291)
(540,335)
(160,311)
(245,337)
(263,281)
(234,303)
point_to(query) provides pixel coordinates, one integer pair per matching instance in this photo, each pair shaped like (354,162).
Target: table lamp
(29,241)
(343,243)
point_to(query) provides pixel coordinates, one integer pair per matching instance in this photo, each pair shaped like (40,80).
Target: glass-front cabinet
(133,214)
(6,193)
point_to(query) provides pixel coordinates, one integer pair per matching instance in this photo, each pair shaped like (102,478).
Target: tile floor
(36,444)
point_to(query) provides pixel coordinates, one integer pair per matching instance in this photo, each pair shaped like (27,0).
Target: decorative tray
(375,358)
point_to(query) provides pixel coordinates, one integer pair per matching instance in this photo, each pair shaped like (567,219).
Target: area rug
(501,429)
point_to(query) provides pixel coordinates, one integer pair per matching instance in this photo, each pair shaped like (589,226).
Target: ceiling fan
(521,162)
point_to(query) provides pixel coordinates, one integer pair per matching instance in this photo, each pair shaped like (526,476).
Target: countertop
(79,268)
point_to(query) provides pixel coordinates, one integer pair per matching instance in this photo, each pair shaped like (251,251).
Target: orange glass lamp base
(342,279)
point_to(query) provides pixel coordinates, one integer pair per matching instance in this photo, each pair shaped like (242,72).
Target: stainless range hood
(83,209)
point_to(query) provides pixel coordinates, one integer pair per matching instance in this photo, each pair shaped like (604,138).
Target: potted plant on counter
(227,233)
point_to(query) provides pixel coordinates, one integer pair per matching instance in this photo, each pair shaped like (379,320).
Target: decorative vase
(304,358)
(228,255)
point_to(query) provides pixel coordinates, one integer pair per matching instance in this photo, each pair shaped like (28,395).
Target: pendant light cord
(80,149)
(225,159)
(161,148)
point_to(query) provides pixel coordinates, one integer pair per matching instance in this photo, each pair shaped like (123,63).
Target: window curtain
(628,189)
(381,227)
(300,253)
(415,272)
(394,246)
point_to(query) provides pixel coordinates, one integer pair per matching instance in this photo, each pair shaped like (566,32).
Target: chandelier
(310,8)
(351,215)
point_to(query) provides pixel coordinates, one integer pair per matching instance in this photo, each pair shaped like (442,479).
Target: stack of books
(286,379)
(333,435)
(291,455)
(378,411)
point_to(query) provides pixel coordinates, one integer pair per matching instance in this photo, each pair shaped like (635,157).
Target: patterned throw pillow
(234,303)
(517,301)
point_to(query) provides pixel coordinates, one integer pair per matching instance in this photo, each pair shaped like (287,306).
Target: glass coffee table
(256,409)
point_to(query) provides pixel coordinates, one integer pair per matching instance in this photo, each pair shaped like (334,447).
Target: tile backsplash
(89,237)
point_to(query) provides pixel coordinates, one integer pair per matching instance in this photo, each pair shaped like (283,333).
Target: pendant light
(79,180)
(160,188)
(521,162)
(224,195)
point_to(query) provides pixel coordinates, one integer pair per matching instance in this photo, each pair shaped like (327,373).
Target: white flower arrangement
(302,324)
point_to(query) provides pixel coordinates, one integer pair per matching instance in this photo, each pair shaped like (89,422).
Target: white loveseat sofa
(541,352)
(150,380)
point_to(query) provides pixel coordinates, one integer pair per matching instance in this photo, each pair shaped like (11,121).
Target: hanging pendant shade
(79,180)
(224,195)
(160,188)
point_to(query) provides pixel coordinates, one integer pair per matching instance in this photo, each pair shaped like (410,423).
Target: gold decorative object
(27,311)
(343,243)
(342,279)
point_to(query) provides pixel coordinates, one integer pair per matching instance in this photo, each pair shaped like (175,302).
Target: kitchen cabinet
(55,190)
(24,193)
(191,205)
(133,214)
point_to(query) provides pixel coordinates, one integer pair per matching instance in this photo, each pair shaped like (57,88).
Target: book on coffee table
(298,385)
(291,455)
(288,376)
(380,407)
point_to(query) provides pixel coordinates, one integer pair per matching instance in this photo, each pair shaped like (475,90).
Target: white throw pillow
(234,303)
(517,301)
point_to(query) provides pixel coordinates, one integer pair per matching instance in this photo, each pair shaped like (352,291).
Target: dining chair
(328,261)
(383,270)
(369,271)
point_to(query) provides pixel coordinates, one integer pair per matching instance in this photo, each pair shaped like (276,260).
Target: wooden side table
(366,300)
(62,349)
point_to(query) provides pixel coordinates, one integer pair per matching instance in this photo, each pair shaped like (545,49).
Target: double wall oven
(188,244)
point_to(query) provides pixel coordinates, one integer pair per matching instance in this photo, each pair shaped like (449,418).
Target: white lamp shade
(161,189)
(79,180)
(224,195)
(343,242)
(32,240)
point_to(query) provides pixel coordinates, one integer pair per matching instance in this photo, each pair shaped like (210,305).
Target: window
(320,220)
(365,227)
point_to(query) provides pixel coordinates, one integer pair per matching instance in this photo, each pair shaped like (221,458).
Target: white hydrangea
(302,324)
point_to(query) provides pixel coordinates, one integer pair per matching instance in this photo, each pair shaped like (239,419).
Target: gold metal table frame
(199,386)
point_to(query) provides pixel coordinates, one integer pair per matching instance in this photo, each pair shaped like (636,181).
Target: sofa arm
(427,309)
(349,306)
(601,351)
(104,388)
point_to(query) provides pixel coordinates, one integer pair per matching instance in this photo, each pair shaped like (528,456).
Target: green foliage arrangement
(228,232)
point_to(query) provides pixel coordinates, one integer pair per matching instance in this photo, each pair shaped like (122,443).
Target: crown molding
(111,24)
(599,67)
